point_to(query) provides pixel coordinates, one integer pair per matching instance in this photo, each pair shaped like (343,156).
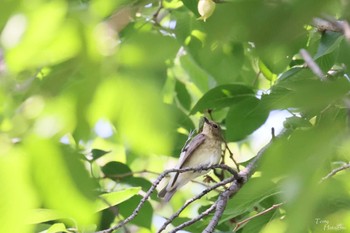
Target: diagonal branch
(239,224)
(335,171)
(196,219)
(156,183)
(175,215)
(312,64)
(245,174)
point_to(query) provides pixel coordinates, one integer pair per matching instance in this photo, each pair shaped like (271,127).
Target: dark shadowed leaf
(252,193)
(182,95)
(244,118)
(116,170)
(144,217)
(97,153)
(223,96)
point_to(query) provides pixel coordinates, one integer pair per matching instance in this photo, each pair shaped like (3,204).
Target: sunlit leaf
(66,186)
(114,198)
(18,192)
(44,215)
(57,227)
(266,72)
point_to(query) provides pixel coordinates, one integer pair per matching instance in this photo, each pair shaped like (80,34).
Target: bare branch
(333,25)
(326,25)
(123,175)
(231,155)
(220,205)
(156,183)
(312,64)
(335,171)
(237,179)
(156,14)
(239,224)
(175,215)
(196,219)
(244,175)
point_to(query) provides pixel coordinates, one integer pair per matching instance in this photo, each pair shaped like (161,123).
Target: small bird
(203,150)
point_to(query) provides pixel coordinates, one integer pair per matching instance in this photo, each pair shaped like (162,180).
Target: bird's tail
(166,195)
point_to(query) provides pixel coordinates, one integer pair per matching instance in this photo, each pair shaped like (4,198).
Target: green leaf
(62,181)
(303,91)
(244,118)
(296,122)
(257,223)
(183,27)
(18,196)
(97,153)
(140,182)
(107,218)
(192,5)
(114,168)
(266,72)
(57,228)
(251,194)
(144,217)
(114,198)
(44,215)
(197,74)
(182,95)
(329,42)
(222,96)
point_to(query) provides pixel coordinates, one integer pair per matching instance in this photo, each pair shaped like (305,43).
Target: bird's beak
(206,120)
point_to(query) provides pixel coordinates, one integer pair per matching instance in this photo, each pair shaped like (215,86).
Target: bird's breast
(207,154)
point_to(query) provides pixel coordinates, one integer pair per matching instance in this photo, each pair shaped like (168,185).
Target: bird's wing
(187,151)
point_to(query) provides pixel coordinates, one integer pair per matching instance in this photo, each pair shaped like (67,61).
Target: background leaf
(249,113)
(222,96)
(114,198)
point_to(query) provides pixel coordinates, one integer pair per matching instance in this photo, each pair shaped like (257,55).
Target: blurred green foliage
(149,73)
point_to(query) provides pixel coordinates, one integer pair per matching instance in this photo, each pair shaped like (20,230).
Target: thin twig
(231,155)
(220,205)
(193,220)
(239,224)
(123,175)
(244,175)
(156,183)
(335,171)
(175,215)
(333,25)
(312,64)
(156,14)
(273,133)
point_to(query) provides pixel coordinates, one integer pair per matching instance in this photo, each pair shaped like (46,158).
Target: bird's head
(211,128)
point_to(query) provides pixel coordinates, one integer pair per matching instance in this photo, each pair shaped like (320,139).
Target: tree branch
(333,25)
(237,179)
(196,219)
(239,224)
(156,183)
(312,64)
(175,215)
(335,171)
(245,174)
